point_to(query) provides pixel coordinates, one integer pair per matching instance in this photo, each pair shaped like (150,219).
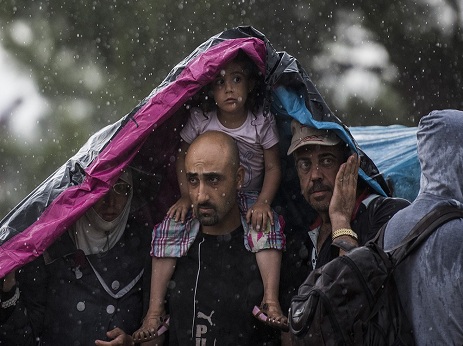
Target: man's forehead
(207,158)
(205,166)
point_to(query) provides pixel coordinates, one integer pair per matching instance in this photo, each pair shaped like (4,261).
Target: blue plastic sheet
(393,150)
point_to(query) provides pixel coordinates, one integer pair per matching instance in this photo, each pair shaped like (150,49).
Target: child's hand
(180,209)
(258,216)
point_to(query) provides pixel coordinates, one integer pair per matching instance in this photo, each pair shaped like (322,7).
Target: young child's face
(231,88)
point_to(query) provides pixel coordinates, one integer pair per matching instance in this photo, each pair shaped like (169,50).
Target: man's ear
(239,177)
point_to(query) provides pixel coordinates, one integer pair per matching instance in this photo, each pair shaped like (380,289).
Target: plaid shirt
(173,239)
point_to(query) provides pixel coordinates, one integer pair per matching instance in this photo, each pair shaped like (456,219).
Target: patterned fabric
(173,239)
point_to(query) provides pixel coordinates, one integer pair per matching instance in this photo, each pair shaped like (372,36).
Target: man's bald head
(216,142)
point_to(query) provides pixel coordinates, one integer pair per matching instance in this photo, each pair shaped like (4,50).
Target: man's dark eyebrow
(302,159)
(212,175)
(328,155)
(206,175)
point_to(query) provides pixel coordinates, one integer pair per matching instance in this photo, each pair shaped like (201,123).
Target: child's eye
(219,82)
(237,79)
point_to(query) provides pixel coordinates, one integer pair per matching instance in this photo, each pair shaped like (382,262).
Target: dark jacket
(68,298)
(371,213)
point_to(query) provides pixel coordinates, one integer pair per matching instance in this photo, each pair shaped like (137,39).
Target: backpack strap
(420,231)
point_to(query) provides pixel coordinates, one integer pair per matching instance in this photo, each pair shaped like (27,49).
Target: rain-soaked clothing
(214,289)
(67,298)
(430,279)
(173,239)
(370,213)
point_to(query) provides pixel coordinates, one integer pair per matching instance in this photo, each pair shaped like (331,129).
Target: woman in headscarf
(90,287)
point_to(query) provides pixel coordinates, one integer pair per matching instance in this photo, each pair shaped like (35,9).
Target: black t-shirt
(213,291)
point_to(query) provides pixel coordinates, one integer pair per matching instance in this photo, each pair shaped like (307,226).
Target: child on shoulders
(236,109)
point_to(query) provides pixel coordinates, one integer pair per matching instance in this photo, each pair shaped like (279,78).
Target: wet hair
(205,100)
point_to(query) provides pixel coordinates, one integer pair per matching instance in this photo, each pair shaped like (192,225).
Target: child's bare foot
(153,326)
(270,313)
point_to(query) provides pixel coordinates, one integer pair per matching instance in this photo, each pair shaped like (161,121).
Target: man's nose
(203,194)
(316,173)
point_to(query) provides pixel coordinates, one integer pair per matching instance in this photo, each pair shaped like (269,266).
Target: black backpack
(353,299)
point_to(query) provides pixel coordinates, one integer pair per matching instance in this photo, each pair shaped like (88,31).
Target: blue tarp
(393,150)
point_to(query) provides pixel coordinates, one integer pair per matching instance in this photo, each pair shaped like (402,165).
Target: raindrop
(115,285)
(110,309)
(80,306)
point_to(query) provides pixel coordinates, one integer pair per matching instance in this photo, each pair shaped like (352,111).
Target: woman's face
(111,205)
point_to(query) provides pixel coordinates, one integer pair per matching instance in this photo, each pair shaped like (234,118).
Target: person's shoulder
(261,116)
(197,112)
(396,202)
(374,201)
(237,232)
(383,208)
(200,120)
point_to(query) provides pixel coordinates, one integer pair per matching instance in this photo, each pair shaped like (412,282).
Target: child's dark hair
(205,100)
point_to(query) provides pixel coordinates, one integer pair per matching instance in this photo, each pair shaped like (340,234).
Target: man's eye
(214,180)
(303,166)
(327,162)
(192,181)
